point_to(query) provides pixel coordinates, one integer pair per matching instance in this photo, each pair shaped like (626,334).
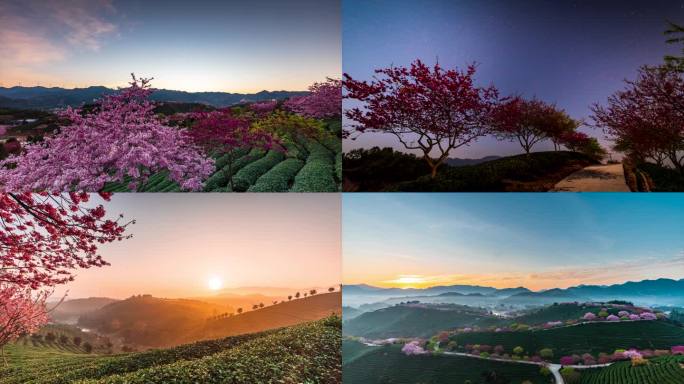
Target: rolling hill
(273,316)
(416,321)
(70,310)
(146,321)
(305,353)
(149,321)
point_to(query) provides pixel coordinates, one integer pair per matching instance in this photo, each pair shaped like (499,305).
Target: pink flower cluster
(121,139)
(263,107)
(20,312)
(677,350)
(632,354)
(589,316)
(612,318)
(325,100)
(648,316)
(413,348)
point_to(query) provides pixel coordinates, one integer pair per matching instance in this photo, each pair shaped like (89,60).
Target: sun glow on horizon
(215,283)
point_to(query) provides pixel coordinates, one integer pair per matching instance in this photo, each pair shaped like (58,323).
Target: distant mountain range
(657,290)
(49,98)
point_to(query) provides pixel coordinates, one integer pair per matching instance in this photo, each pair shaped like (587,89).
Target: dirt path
(594,178)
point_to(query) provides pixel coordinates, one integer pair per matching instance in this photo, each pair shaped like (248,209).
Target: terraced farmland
(585,338)
(659,370)
(388,365)
(256,170)
(306,353)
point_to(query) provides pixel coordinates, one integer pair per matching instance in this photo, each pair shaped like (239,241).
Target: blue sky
(505,240)
(573,53)
(201,45)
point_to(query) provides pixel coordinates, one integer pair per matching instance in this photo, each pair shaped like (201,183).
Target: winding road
(594,178)
(554,368)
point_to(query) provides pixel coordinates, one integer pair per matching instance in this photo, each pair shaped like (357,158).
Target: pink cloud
(25,48)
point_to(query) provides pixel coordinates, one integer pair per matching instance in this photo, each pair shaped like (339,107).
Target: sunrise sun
(214,283)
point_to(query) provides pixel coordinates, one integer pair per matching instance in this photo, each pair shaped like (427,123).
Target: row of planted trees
(121,139)
(296,296)
(437,110)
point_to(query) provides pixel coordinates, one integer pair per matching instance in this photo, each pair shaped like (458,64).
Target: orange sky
(183,243)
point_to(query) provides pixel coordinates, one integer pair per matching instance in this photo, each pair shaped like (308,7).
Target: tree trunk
(434,170)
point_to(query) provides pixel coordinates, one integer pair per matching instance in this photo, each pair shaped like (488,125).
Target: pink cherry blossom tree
(648,316)
(43,239)
(20,313)
(262,108)
(324,101)
(413,348)
(122,139)
(429,109)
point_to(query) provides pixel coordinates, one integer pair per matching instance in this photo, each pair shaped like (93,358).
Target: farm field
(388,364)
(308,352)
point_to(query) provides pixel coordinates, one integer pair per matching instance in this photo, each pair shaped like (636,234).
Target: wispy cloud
(86,26)
(35,34)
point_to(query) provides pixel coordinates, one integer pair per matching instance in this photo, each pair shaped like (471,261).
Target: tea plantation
(585,338)
(256,170)
(306,353)
(659,370)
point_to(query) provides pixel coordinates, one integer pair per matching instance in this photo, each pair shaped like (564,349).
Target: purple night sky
(573,53)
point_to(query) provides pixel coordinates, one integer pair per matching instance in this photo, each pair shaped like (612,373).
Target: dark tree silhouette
(675,34)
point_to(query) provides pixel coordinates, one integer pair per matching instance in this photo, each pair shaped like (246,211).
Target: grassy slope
(280,315)
(306,353)
(403,321)
(382,169)
(388,365)
(586,338)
